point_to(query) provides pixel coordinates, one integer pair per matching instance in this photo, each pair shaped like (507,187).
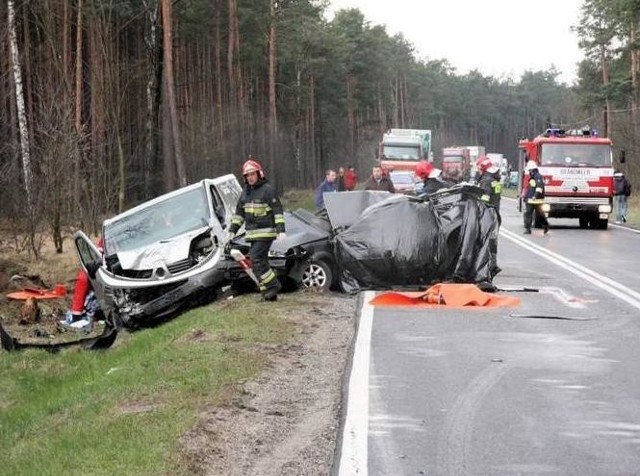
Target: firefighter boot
(271,286)
(271,293)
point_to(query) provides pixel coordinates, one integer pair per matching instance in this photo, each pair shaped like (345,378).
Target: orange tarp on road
(445,294)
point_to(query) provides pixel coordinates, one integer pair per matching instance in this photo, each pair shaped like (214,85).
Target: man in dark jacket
(260,209)
(621,192)
(534,198)
(377,181)
(327,186)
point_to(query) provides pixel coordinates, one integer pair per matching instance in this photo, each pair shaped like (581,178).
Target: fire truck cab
(577,166)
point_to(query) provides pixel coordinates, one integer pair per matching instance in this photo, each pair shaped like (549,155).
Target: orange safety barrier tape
(58,292)
(445,294)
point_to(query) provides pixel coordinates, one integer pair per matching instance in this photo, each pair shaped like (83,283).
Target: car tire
(316,275)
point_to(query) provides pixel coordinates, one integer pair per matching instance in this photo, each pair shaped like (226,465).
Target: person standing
(260,209)
(340,185)
(490,183)
(534,198)
(350,178)
(621,193)
(377,181)
(328,185)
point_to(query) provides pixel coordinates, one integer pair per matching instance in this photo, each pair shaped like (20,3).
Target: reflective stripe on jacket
(259,208)
(535,190)
(492,188)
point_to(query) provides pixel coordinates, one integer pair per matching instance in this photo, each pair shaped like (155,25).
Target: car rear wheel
(317,275)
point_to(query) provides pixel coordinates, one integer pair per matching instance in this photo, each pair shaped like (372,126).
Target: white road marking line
(618,290)
(354,452)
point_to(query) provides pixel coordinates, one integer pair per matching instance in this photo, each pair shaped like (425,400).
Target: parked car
(163,255)
(404,181)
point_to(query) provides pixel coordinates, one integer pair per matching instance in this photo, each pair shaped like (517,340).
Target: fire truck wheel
(584,222)
(602,224)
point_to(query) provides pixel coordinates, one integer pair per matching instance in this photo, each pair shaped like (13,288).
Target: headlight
(546,207)
(604,208)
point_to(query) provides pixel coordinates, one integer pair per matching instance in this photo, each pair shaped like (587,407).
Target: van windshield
(164,220)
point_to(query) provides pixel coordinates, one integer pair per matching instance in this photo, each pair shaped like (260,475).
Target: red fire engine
(577,167)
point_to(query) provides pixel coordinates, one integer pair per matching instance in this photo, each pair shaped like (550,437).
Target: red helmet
(252,166)
(423,169)
(483,163)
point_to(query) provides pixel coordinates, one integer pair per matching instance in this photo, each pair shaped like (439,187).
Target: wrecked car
(402,241)
(163,255)
(305,258)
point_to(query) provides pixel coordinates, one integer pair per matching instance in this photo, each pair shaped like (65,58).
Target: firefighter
(431,177)
(489,182)
(534,198)
(488,179)
(260,209)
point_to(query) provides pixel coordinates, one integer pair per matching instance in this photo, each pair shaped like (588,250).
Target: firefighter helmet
(531,165)
(483,163)
(423,169)
(252,166)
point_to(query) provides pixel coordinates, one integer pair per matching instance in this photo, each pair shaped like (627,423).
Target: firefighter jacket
(260,209)
(433,184)
(535,188)
(491,188)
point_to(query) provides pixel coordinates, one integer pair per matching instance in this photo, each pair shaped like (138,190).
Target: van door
(91,260)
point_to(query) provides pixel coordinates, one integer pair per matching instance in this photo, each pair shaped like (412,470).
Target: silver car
(163,255)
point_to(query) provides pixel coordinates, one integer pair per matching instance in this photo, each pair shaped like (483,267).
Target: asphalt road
(550,387)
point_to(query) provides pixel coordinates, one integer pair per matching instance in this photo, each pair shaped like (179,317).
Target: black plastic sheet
(407,242)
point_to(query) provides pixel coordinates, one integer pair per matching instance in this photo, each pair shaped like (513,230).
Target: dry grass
(50,266)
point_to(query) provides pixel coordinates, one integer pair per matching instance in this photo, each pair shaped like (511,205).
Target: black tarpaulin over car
(407,242)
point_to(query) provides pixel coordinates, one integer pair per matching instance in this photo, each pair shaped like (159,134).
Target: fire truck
(577,166)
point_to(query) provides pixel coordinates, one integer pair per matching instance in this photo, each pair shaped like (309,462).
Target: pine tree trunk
(219,101)
(167,26)
(273,117)
(154,77)
(607,103)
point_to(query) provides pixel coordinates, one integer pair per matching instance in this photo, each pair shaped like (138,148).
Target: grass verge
(121,411)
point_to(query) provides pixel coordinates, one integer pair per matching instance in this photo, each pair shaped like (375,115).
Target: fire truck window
(576,155)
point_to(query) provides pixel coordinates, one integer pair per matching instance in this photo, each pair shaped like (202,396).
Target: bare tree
(23,125)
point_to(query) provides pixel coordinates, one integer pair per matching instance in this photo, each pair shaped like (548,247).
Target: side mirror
(623,156)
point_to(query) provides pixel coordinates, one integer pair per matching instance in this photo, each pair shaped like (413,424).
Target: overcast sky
(497,37)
